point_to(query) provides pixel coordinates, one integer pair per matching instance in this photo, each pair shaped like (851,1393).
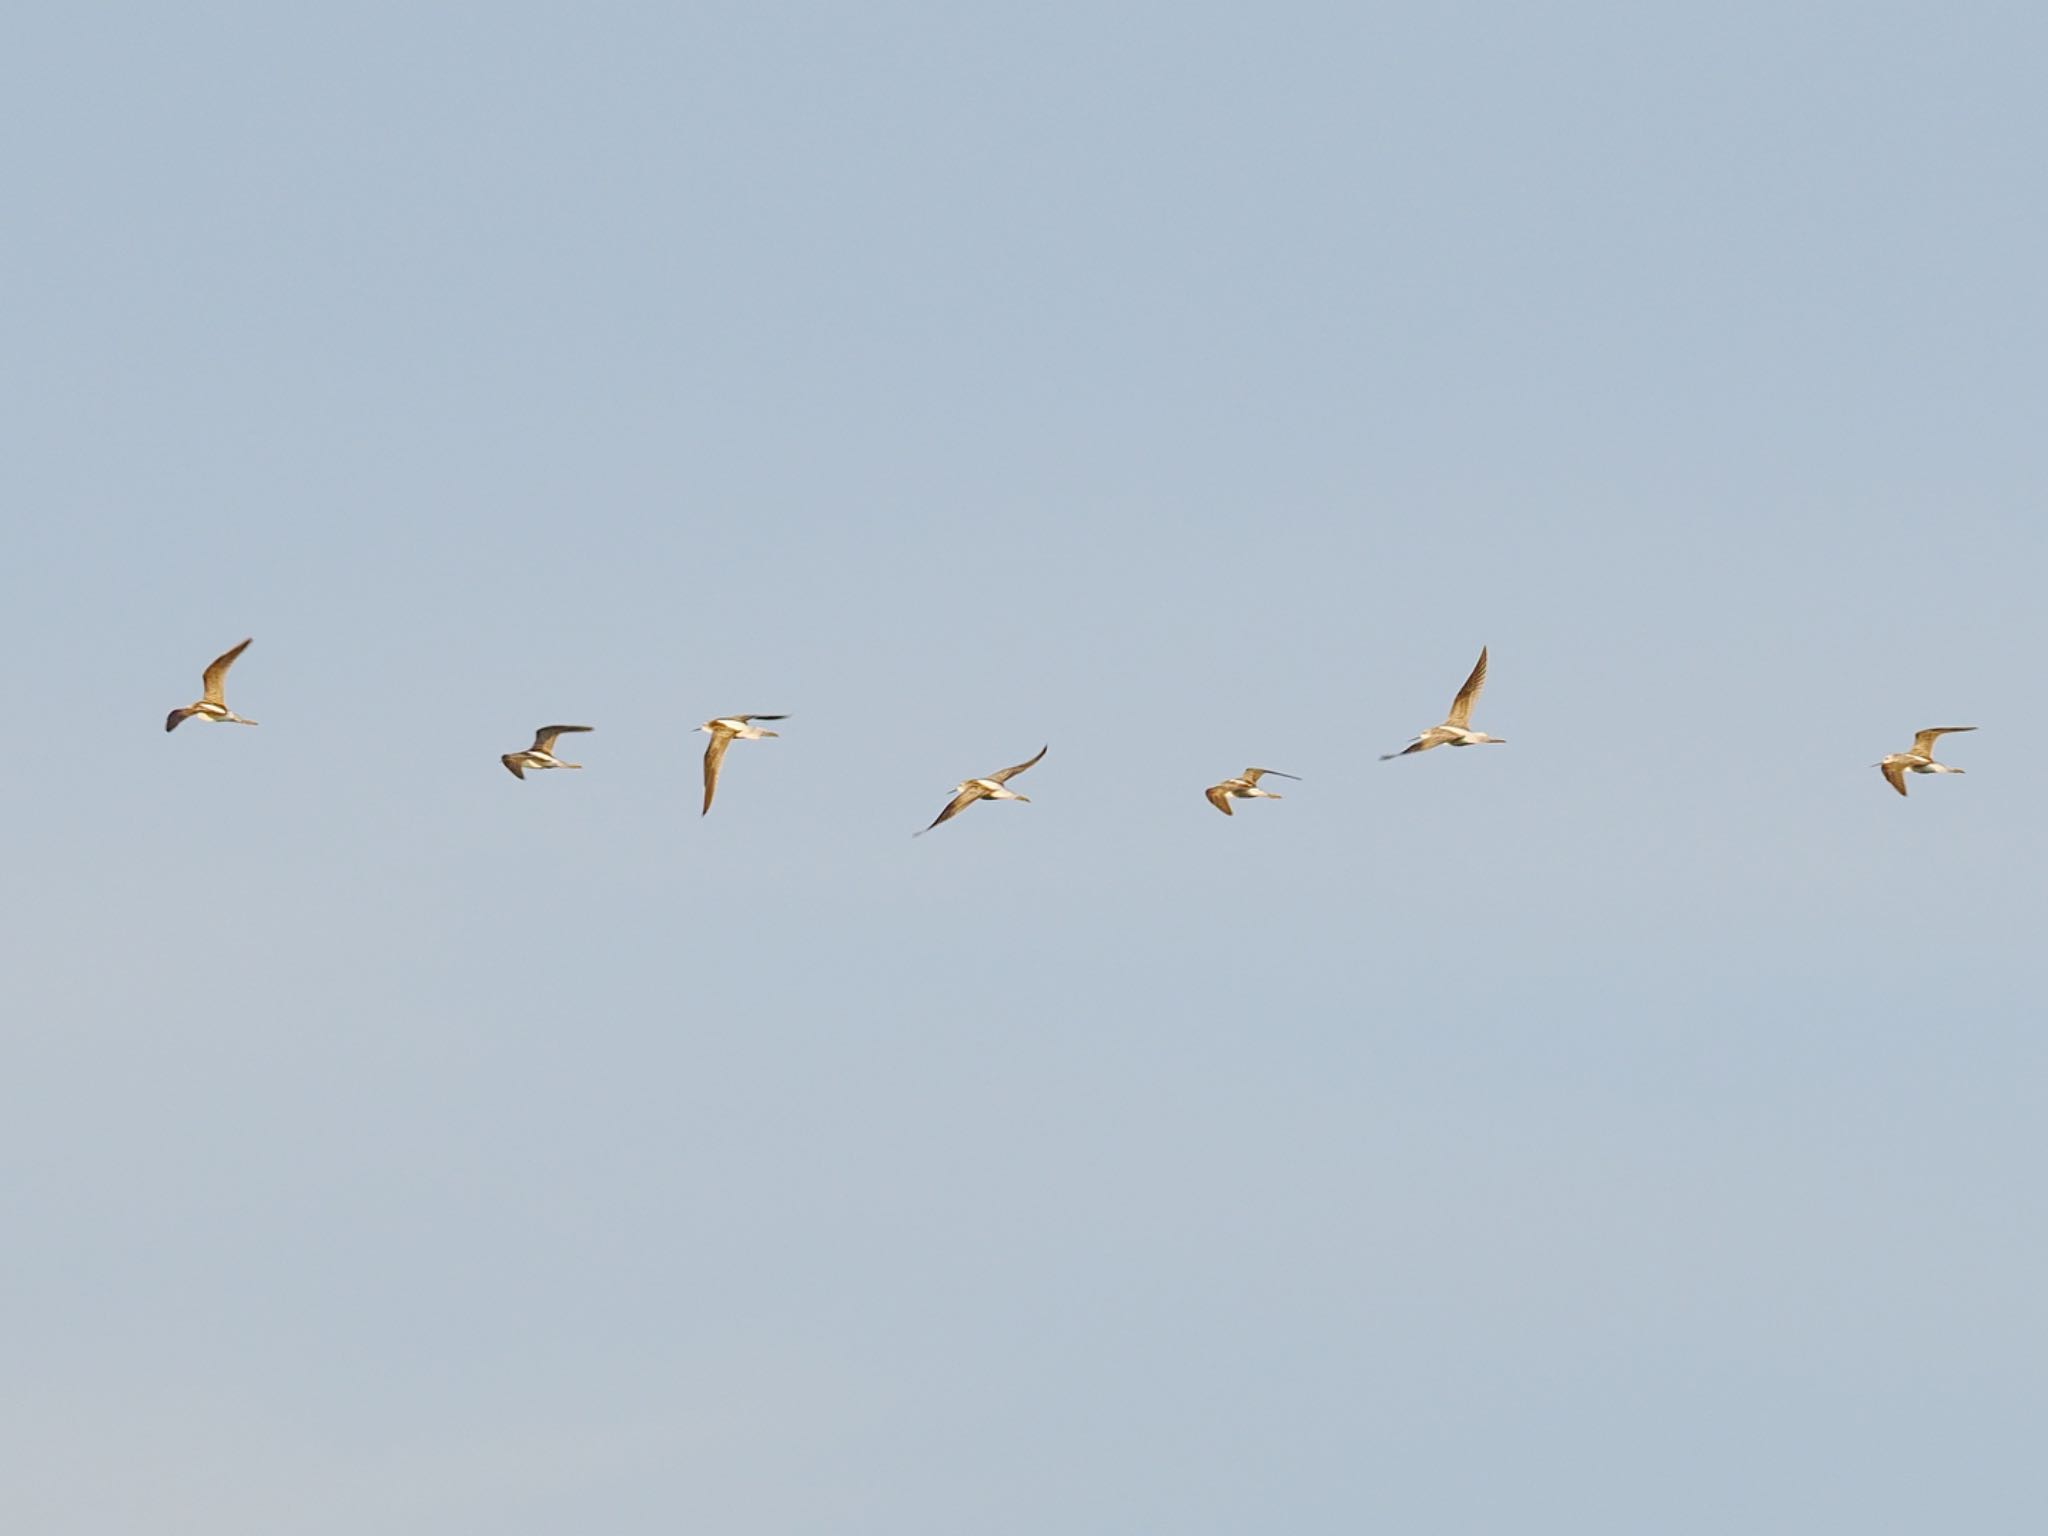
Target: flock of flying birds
(1455,731)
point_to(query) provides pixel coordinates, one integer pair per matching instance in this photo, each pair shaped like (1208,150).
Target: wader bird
(1454,730)
(1245,787)
(1918,758)
(542,753)
(213,706)
(991,788)
(723,733)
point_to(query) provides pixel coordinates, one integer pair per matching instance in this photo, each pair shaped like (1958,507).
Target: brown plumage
(1245,787)
(724,732)
(542,753)
(212,704)
(1456,729)
(1918,758)
(990,788)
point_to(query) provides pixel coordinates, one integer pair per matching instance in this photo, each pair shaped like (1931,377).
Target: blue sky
(1634,1127)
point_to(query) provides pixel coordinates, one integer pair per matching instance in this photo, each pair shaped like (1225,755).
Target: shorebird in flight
(991,788)
(1245,787)
(542,753)
(724,732)
(1454,731)
(213,706)
(1918,758)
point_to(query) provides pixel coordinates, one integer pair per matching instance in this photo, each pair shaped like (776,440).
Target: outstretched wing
(544,738)
(217,674)
(1219,796)
(1461,706)
(511,762)
(1009,773)
(750,719)
(714,755)
(1924,742)
(1253,775)
(1895,775)
(960,802)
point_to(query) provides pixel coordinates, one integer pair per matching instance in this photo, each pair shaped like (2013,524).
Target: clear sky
(1633,1128)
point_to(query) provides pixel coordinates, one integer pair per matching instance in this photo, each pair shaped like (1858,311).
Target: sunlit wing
(714,755)
(1924,742)
(544,738)
(1008,773)
(217,674)
(1461,706)
(960,802)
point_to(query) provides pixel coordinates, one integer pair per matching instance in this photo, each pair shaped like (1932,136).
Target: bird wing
(1219,796)
(177,718)
(511,762)
(1009,773)
(750,719)
(714,755)
(217,674)
(1252,775)
(1461,706)
(1924,742)
(960,802)
(544,738)
(1895,775)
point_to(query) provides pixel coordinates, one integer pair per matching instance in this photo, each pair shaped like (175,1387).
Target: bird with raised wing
(724,732)
(212,705)
(1456,730)
(542,753)
(968,791)
(1918,758)
(1245,787)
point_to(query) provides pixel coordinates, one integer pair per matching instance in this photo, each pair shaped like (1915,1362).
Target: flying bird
(1918,758)
(213,704)
(1454,731)
(991,788)
(542,753)
(1245,787)
(724,732)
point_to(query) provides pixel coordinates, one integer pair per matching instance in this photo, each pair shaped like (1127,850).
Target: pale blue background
(1635,1128)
